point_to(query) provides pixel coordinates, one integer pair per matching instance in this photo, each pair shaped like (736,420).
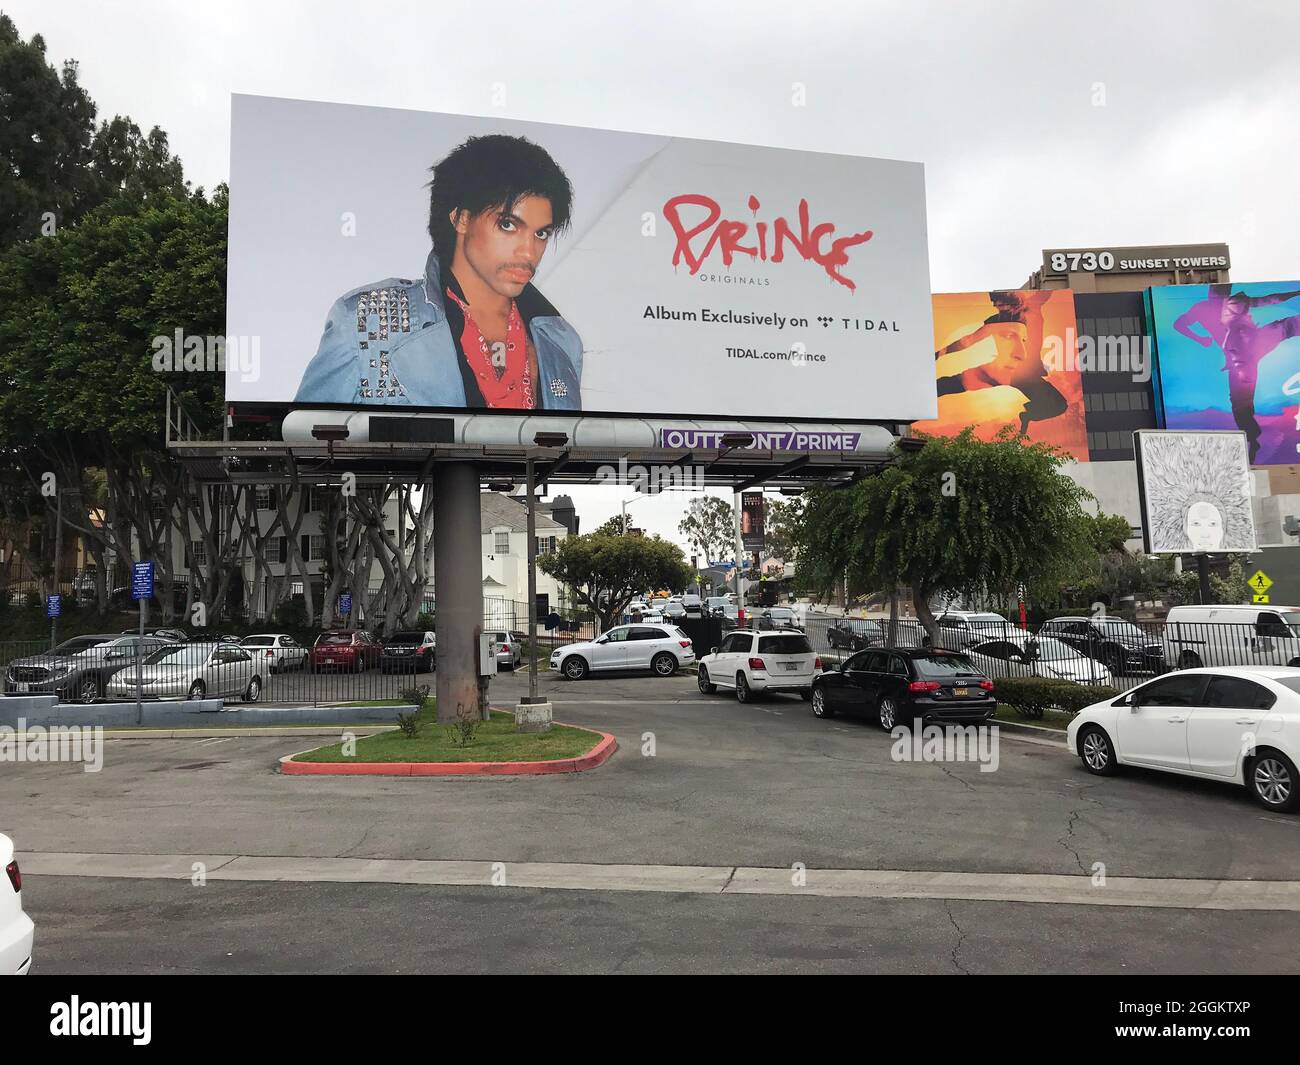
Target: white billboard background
(1196,492)
(326,198)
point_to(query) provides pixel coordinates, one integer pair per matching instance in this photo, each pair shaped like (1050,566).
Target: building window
(502,544)
(315,547)
(546,545)
(199,552)
(265,498)
(280,549)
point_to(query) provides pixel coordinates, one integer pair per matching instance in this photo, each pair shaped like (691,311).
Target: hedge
(1030,696)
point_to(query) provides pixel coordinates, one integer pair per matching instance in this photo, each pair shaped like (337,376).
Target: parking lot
(698,782)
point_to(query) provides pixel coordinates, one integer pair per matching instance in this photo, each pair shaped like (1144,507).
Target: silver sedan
(192,671)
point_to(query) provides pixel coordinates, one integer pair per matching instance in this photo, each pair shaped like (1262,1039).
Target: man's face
(1235,307)
(504,246)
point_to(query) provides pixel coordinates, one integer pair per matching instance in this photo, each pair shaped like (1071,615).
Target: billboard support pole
(532,582)
(1203,577)
(457,586)
(740,553)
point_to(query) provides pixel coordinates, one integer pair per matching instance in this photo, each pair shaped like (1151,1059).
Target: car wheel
(254,690)
(574,667)
(1271,778)
(702,680)
(87,690)
(820,707)
(887,710)
(664,664)
(743,694)
(197,690)
(1097,752)
(1189,660)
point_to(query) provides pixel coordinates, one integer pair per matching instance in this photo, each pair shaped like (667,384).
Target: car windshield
(335,638)
(180,655)
(78,644)
(1047,649)
(987,619)
(1292,619)
(406,638)
(1288,682)
(1125,628)
(258,641)
(943,665)
(784,645)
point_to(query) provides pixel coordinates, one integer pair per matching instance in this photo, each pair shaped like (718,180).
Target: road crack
(1069,835)
(961,938)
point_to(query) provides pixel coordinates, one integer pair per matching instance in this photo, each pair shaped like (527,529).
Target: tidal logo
(726,235)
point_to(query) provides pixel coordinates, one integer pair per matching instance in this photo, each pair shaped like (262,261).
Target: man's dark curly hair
(491,172)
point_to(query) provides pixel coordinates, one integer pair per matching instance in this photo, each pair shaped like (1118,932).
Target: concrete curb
(598,755)
(1054,734)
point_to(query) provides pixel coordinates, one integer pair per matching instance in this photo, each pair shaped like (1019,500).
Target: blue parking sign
(142,580)
(345,603)
(53,606)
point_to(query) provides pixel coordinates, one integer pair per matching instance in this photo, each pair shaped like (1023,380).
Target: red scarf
(504,382)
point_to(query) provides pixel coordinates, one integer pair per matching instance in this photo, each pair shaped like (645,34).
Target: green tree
(710,528)
(608,572)
(55,165)
(957,516)
(781,520)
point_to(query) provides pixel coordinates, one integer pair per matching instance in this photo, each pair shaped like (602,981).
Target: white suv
(769,660)
(960,629)
(662,649)
(16,930)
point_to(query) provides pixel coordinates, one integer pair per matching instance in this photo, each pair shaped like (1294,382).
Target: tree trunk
(893,616)
(921,601)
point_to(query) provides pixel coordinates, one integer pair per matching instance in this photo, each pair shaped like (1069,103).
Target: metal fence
(276,668)
(1104,651)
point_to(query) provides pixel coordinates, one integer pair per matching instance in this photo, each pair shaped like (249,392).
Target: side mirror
(713,650)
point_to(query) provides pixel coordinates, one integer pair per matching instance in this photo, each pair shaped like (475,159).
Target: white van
(1237,635)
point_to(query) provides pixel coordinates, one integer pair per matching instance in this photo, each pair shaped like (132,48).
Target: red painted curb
(598,755)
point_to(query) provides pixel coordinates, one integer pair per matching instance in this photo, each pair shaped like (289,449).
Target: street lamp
(623,528)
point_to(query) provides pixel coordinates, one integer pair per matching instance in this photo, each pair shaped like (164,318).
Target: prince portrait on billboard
(473,332)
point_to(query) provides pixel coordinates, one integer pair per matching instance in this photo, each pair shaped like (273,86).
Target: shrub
(1030,696)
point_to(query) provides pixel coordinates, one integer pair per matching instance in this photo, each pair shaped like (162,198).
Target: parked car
(902,685)
(410,650)
(959,629)
(16,928)
(168,634)
(778,617)
(853,634)
(662,649)
(1232,636)
(1121,645)
(753,662)
(341,649)
(277,650)
(508,650)
(78,669)
(192,671)
(1022,655)
(1230,723)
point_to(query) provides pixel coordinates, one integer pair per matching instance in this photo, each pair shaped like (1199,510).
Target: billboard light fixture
(500,486)
(330,432)
(550,439)
(730,440)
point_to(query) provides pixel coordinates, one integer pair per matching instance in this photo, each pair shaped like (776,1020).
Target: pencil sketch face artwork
(1196,492)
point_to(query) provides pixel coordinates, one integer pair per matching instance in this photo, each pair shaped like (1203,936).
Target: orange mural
(1008,359)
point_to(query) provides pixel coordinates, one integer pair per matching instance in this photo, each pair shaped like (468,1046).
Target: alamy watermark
(58,743)
(1105,354)
(179,353)
(947,743)
(651,479)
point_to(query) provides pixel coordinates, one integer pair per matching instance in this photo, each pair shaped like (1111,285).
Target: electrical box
(487,655)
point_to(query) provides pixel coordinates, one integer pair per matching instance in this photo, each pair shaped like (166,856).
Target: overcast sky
(1041,124)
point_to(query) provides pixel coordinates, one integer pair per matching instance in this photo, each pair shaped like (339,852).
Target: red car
(340,649)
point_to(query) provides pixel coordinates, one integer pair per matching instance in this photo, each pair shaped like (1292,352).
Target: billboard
(1194,492)
(1228,357)
(1008,359)
(752,532)
(557,268)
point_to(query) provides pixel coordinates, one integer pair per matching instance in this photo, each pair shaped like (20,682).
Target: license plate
(24,687)
(792,665)
(329,661)
(960,693)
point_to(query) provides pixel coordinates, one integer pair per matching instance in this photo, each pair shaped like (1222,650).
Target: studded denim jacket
(390,343)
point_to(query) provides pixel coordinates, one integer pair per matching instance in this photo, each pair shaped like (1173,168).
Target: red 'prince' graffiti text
(728,234)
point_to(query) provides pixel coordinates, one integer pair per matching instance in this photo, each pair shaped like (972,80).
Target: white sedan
(1234,723)
(16,928)
(662,649)
(277,650)
(1020,655)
